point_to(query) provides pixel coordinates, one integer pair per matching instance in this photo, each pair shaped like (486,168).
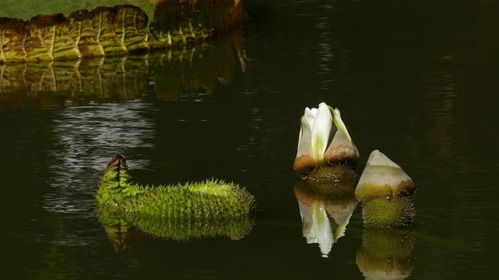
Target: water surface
(415,79)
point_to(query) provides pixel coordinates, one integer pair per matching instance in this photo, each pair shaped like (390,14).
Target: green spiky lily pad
(179,212)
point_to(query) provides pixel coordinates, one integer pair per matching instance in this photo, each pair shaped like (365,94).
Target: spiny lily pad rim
(207,200)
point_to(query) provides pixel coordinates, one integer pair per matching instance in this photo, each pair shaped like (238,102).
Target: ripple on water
(85,138)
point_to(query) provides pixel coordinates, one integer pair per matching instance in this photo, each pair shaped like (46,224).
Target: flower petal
(382,178)
(340,125)
(341,149)
(305,137)
(320,131)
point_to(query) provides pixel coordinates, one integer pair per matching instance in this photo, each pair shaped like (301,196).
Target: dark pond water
(416,79)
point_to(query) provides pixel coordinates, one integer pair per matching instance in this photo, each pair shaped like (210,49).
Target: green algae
(179,212)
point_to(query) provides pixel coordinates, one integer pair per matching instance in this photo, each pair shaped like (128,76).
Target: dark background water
(415,79)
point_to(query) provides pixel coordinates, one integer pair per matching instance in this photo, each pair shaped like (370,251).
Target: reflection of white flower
(313,143)
(341,214)
(324,224)
(322,228)
(316,226)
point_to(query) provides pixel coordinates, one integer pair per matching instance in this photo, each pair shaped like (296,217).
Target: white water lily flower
(314,132)
(313,142)
(320,131)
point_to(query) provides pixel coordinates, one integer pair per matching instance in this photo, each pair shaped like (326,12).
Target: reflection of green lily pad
(175,73)
(118,226)
(188,229)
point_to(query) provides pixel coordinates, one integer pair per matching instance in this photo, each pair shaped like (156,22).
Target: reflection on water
(55,84)
(441,94)
(170,74)
(197,72)
(326,208)
(118,227)
(386,254)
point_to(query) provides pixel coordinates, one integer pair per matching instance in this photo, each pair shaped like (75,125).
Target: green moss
(388,212)
(193,210)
